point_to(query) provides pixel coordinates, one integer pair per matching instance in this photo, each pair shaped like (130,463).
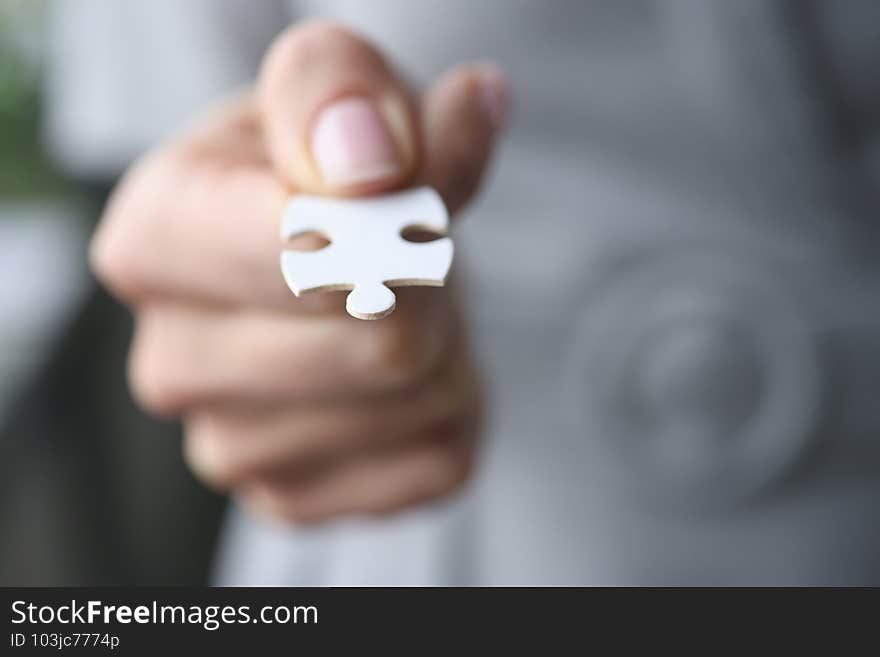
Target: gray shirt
(672,276)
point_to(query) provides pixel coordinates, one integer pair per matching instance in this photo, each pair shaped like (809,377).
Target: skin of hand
(302,412)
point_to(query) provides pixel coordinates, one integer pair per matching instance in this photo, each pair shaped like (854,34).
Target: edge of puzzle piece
(370,296)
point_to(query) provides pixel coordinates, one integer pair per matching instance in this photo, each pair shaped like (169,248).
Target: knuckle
(288,507)
(116,254)
(153,381)
(297,513)
(392,360)
(447,473)
(207,455)
(150,386)
(112,257)
(399,352)
(453,469)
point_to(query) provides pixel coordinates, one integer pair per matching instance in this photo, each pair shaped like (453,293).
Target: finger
(423,470)
(226,447)
(334,118)
(185,356)
(462,115)
(198,219)
(213,186)
(337,119)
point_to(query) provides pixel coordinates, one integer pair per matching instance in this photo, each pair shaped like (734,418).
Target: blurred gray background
(673,277)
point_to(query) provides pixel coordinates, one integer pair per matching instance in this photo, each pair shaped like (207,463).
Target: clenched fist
(301,411)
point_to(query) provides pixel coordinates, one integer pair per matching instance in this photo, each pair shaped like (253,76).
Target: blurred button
(697,375)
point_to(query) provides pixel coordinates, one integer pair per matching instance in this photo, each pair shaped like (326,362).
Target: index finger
(198,218)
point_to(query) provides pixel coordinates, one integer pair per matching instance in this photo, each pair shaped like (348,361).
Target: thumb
(336,118)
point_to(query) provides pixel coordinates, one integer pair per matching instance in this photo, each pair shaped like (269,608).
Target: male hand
(303,412)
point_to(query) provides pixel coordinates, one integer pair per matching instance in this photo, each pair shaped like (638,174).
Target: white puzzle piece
(367,253)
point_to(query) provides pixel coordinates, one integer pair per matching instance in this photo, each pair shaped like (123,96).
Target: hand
(303,412)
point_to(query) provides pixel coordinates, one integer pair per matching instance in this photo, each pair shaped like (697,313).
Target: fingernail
(352,144)
(495,94)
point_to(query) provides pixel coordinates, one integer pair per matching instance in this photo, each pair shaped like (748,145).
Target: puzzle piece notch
(367,252)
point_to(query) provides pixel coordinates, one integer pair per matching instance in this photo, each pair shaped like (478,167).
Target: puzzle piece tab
(367,253)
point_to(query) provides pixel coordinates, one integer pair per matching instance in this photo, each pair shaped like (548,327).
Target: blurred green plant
(25,169)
